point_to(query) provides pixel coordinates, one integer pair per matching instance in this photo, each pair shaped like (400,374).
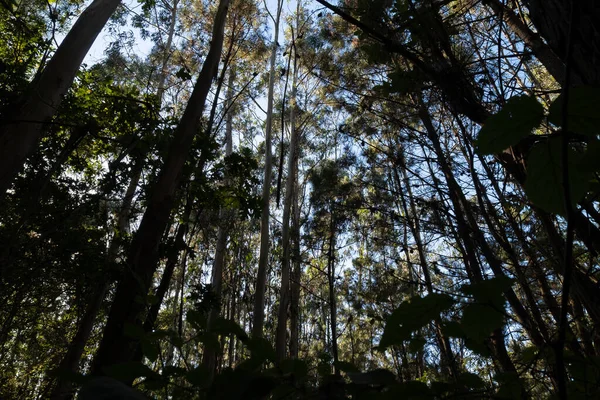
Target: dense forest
(300,199)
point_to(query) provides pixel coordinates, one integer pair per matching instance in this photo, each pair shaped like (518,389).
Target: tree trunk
(541,50)
(115,347)
(296,275)
(552,19)
(284,295)
(415,228)
(331,282)
(261,277)
(20,135)
(160,91)
(225,217)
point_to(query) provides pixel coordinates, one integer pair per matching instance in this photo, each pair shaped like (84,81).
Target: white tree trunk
(261,278)
(284,295)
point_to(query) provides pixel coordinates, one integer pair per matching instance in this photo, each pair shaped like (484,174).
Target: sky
(143,47)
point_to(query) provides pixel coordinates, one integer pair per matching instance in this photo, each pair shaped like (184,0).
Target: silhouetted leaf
(515,121)
(260,348)
(199,376)
(471,380)
(345,366)
(413,315)
(544,185)
(582,111)
(150,349)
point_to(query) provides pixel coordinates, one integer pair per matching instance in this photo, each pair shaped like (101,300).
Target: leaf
(416,344)
(413,315)
(260,348)
(410,390)
(544,184)
(510,386)
(128,371)
(582,110)
(224,326)
(150,349)
(479,321)
(198,377)
(65,374)
(515,121)
(183,74)
(171,370)
(196,319)
(210,341)
(489,291)
(323,369)
(486,313)
(590,162)
(154,384)
(374,377)
(471,380)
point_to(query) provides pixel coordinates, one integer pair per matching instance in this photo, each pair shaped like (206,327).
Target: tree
(261,278)
(21,133)
(115,347)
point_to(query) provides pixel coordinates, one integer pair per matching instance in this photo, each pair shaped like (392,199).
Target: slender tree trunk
(541,50)
(471,238)
(284,295)
(415,227)
(160,91)
(296,274)
(332,296)
(20,135)
(261,277)
(115,347)
(225,217)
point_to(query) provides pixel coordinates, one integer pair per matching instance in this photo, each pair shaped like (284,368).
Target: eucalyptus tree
(290,188)
(261,278)
(115,347)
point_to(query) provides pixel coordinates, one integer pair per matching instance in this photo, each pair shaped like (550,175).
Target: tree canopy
(301,199)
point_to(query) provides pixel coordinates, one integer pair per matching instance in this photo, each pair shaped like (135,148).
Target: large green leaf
(413,315)
(582,110)
(489,291)
(515,121)
(544,184)
(480,320)
(150,349)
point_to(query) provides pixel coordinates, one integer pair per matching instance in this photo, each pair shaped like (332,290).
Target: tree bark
(284,295)
(261,277)
(551,19)
(225,217)
(115,347)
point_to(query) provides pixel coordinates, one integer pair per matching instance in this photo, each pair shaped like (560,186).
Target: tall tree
(261,277)
(115,347)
